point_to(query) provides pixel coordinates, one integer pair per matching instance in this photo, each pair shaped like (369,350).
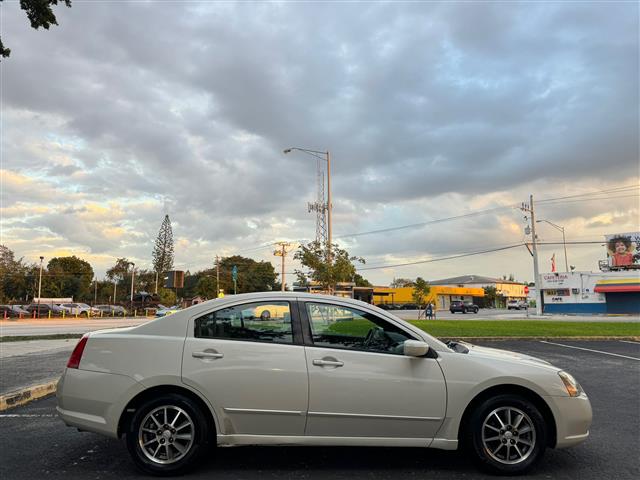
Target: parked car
(79,309)
(517,304)
(12,311)
(215,374)
(43,309)
(112,310)
(463,307)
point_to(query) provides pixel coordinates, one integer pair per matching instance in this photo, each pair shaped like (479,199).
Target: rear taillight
(76,355)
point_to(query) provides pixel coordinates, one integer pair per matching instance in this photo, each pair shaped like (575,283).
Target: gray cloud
(191,106)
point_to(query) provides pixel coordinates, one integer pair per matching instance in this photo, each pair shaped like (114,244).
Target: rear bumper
(573,417)
(94,401)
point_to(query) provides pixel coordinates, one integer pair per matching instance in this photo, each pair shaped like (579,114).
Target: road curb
(27,394)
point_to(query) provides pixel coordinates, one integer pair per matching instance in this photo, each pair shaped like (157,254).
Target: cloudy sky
(128,110)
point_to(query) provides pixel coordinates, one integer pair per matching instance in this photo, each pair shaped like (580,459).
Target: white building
(591,292)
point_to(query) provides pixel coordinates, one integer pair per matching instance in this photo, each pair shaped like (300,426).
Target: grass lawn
(524,328)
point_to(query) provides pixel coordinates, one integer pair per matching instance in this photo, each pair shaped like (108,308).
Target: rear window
(258,322)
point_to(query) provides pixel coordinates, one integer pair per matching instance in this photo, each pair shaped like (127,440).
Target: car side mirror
(414,348)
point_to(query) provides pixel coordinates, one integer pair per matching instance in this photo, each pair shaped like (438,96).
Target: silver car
(302,369)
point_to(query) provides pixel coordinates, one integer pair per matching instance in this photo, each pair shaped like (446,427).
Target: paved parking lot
(35,444)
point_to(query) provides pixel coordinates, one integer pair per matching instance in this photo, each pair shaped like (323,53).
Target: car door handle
(331,363)
(207,355)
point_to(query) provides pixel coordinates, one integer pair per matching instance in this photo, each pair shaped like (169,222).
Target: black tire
(200,436)
(475,310)
(464,310)
(473,440)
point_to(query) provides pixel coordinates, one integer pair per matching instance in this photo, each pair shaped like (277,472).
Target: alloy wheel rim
(166,434)
(508,435)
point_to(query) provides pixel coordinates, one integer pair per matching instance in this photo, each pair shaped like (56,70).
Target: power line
(597,192)
(440,259)
(429,222)
(562,202)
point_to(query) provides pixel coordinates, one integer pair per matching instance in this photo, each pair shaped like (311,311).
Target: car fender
(462,373)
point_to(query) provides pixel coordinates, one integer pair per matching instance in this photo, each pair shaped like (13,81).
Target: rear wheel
(167,435)
(507,435)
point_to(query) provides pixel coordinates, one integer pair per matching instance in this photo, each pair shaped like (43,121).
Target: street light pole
(564,241)
(326,156)
(133,276)
(40,285)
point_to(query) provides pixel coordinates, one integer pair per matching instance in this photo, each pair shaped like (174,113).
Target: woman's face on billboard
(621,247)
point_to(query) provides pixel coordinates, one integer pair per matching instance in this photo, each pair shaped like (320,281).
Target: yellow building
(441,295)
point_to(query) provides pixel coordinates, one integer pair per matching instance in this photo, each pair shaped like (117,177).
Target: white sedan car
(302,369)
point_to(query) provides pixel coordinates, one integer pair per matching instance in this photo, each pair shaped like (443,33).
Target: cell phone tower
(320,205)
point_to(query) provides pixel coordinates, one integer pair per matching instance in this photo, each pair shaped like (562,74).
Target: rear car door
(360,382)
(248,360)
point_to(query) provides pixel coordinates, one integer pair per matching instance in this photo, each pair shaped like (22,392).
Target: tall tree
(163,249)
(421,290)
(40,14)
(340,269)
(70,277)
(15,276)
(252,276)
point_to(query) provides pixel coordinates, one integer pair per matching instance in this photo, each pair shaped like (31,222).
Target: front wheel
(507,435)
(167,435)
(475,310)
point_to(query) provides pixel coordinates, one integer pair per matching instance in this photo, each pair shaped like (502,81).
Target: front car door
(360,382)
(248,360)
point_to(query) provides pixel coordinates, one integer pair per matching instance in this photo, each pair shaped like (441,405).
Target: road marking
(590,350)
(629,341)
(25,415)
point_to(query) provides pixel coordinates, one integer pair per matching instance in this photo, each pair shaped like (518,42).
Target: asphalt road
(35,444)
(53,326)
(26,370)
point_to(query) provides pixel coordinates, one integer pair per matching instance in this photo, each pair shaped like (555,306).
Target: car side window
(258,322)
(336,326)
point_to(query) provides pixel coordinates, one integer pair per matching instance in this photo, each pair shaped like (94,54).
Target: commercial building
(440,295)
(613,292)
(505,290)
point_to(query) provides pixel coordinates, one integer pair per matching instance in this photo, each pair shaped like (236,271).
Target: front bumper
(573,416)
(94,401)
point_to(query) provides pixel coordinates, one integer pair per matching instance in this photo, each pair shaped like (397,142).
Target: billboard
(623,249)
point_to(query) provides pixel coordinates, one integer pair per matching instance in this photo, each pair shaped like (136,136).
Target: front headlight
(571,384)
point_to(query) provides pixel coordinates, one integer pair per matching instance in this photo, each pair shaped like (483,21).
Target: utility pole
(536,271)
(282,252)
(217,277)
(156,292)
(115,286)
(95,293)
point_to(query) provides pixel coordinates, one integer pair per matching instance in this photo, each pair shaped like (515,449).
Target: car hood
(503,354)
